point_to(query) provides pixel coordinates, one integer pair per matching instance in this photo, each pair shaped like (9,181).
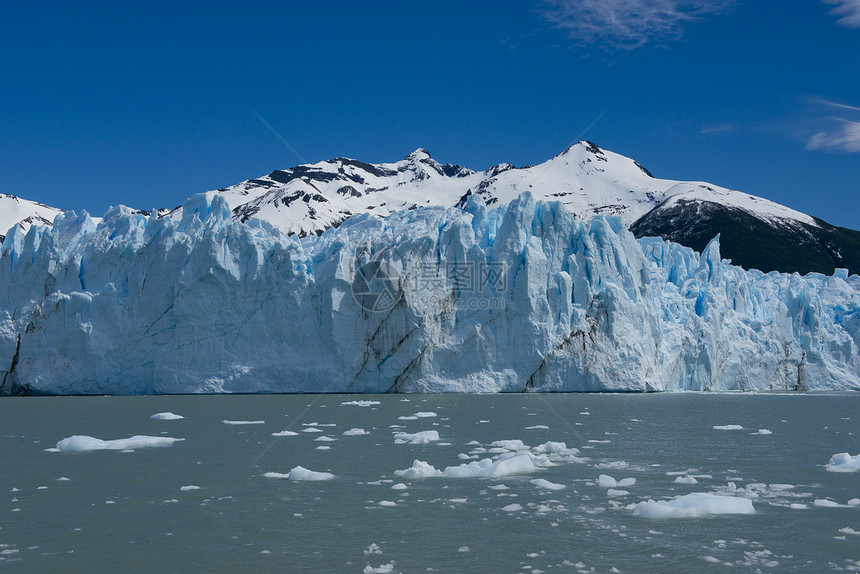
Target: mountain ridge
(756,233)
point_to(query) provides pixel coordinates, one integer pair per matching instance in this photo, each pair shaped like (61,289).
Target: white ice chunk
(616,492)
(686,480)
(606,481)
(189,487)
(361,403)
(542,483)
(302,474)
(85,443)
(285,433)
(728,427)
(763,432)
(355,432)
(512,507)
(843,462)
(227,422)
(168,416)
(382,569)
(419,469)
(693,505)
(423,437)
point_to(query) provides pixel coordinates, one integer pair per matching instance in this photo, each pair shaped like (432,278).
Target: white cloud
(628,24)
(843,137)
(848,12)
(841,133)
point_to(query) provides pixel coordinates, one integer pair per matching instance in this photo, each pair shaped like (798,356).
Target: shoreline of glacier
(523,297)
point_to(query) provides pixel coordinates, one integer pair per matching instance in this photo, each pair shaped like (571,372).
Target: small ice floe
(827,503)
(360,403)
(686,480)
(300,473)
(613,492)
(398,486)
(372,549)
(728,427)
(355,432)
(168,416)
(849,530)
(387,503)
(545,484)
(843,462)
(693,505)
(463,549)
(312,429)
(423,437)
(228,422)
(512,507)
(606,481)
(79,443)
(381,569)
(189,487)
(324,438)
(537,427)
(763,432)
(323,447)
(285,433)
(512,464)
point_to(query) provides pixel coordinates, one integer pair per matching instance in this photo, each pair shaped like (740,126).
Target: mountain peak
(419,154)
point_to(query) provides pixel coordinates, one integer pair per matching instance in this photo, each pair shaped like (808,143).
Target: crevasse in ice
(521,297)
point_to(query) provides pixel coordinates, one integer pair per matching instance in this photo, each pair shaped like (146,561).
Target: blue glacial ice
(524,297)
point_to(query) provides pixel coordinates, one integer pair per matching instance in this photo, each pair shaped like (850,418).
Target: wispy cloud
(840,133)
(848,12)
(629,24)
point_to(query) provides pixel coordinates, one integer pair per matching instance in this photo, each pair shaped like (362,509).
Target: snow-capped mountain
(308,199)
(23,213)
(586,179)
(756,233)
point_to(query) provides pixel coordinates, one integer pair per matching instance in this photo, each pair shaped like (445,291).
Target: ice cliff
(521,297)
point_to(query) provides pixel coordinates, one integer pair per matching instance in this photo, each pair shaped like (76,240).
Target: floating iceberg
(85,443)
(168,416)
(843,462)
(300,473)
(523,297)
(693,505)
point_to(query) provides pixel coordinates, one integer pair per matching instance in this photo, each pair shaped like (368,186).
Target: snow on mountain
(518,297)
(23,213)
(586,179)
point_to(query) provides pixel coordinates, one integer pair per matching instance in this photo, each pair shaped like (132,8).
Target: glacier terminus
(510,297)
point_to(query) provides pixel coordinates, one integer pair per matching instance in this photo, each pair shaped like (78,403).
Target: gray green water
(113,511)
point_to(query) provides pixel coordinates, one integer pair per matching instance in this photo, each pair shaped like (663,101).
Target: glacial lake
(220,500)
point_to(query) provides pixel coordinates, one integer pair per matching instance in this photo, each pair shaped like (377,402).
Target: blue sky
(146,104)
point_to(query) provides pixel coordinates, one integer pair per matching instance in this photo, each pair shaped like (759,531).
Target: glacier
(521,297)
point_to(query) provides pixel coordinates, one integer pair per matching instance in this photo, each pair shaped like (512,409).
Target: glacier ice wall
(522,297)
